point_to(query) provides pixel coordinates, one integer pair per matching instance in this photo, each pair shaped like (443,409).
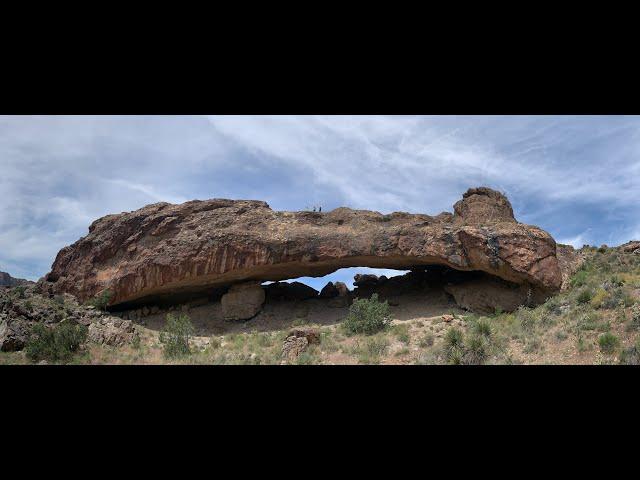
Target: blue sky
(576,177)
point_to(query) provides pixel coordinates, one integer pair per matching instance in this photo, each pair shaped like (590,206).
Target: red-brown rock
(165,249)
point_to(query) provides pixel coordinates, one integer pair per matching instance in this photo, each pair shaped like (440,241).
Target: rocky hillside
(7,280)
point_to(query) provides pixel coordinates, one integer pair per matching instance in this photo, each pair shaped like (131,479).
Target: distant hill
(7,280)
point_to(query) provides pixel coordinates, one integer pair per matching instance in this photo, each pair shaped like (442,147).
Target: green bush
(584,296)
(175,335)
(608,343)
(367,316)
(483,328)
(579,279)
(476,350)
(57,344)
(102,300)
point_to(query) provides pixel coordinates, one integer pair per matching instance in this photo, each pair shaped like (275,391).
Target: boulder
(293,347)
(243,301)
(485,295)
(112,331)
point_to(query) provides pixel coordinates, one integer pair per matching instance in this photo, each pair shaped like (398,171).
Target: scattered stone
(447,318)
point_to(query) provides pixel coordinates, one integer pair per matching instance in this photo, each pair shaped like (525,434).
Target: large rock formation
(164,249)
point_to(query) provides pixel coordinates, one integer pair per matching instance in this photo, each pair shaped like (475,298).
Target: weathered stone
(311,334)
(14,333)
(293,346)
(112,331)
(242,301)
(199,245)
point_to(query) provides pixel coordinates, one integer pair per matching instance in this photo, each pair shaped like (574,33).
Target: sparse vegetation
(55,344)
(608,343)
(176,335)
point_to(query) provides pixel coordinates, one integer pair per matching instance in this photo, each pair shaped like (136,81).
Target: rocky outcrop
(165,249)
(298,341)
(24,306)
(112,331)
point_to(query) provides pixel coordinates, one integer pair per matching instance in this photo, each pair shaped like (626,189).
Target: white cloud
(570,175)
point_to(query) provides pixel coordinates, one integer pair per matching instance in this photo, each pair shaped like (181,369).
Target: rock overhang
(163,249)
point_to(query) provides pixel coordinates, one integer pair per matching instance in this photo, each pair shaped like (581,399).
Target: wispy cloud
(577,177)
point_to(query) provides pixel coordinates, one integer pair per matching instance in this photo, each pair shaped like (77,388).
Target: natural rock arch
(165,249)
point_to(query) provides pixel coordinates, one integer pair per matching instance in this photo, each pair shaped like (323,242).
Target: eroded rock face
(165,249)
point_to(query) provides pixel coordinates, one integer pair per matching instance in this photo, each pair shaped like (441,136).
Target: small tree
(176,334)
(102,300)
(368,316)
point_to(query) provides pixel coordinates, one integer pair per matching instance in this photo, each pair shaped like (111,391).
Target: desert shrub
(634,324)
(476,350)
(59,299)
(402,333)
(587,321)
(618,297)
(102,300)
(527,318)
(20,291)
(367,316)
(608,343)
(454,346)
(599,297)
(57,344)
(579,278)
(377,346)
(584,296)
(455,355)
(175,335)
(453,338)
(427,340)
(603,248)
(631,355)
(553,306)
(483,328)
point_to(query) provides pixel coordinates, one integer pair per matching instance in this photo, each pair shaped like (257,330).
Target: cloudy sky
(576,177)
